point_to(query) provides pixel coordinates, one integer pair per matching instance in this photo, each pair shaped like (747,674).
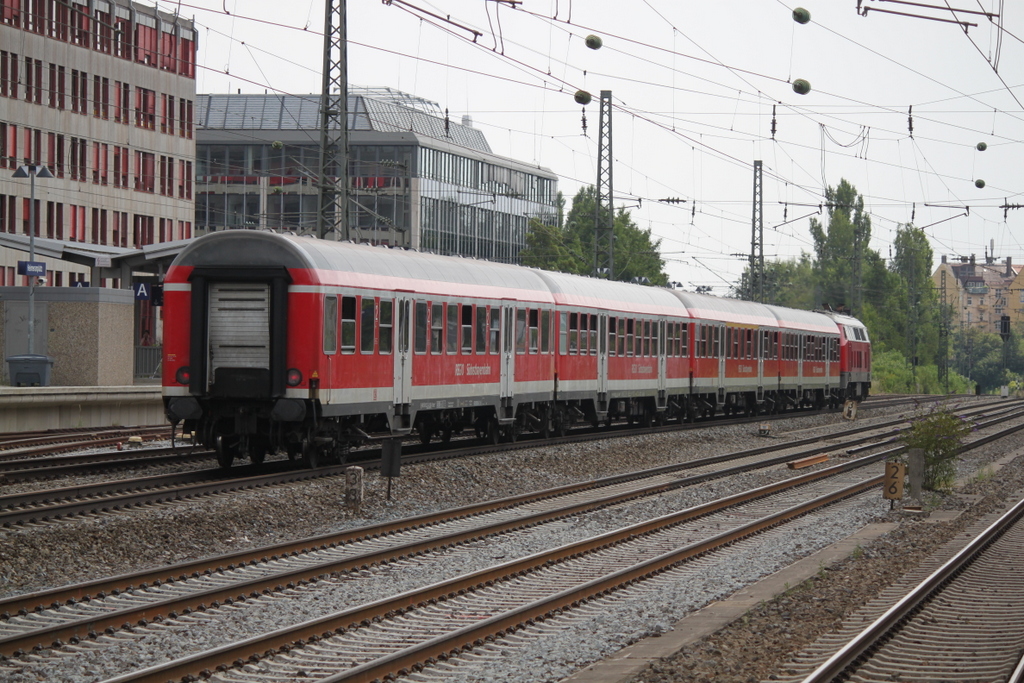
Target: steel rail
(85,465)
(838,664)
(31,510)
(78,591)
(253,587)
(298,636)
(64,441)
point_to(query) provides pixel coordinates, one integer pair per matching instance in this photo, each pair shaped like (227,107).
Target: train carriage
(276,342)
(618,352)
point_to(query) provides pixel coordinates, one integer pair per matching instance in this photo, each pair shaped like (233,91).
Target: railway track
(27,463)
(34,469)
(55,505)
(23,445)
(961,622)
(90,609)
(596,564)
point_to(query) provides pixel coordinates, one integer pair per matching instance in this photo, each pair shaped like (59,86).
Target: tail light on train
(294,377)
(183,375)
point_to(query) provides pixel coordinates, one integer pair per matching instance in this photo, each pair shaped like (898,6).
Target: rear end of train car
(234,372)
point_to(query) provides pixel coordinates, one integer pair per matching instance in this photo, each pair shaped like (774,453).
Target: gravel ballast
(110,544)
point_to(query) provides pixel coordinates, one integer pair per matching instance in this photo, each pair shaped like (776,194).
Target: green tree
(842,264)
(912,303)
(636,253)
(552,248)
(786,283)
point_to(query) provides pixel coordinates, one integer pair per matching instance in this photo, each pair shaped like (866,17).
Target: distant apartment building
(102,93)
(978,295)
(416,178)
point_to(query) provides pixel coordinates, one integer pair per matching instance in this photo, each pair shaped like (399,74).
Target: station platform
(24,409)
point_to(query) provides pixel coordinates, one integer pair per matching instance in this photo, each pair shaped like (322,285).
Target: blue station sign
(34,268)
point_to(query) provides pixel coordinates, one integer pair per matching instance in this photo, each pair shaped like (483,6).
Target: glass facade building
(416,179)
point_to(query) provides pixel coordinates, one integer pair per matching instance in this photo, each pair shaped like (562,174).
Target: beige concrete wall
(90,334)
(36,408)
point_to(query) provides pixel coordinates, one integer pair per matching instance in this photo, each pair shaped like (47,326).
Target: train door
(763,348)
(800,352)
(403,360)
(718,344)
(662,364)
(508,351)
(602,365)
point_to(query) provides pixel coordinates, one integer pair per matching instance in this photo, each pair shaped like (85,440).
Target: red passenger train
(310,346)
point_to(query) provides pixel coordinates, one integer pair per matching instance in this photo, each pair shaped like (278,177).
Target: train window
(534,330)
(366,321)
(630,323)
(331,324)
(593,334)
(750,344)
(495,328)
(574,333)
(436,328)
(584,334)
(386,318)
(545,331)
(717,341)
(622,337)
(420,322)
(348,324)
(451,341)
(467,328)
(520,330)
(403,326)
(563,333)
(647,337)
(481,329)
(658,341)
(611,335)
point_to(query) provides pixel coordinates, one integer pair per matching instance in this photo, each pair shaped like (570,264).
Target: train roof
(726,310)
(576,290)
(360,265)
(806,321)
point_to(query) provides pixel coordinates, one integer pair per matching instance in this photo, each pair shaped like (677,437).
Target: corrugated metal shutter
(239,326)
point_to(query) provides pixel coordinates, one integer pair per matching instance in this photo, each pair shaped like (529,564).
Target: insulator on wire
(913,211)
(584,121)
(773,122)
(447,122)
(910,121)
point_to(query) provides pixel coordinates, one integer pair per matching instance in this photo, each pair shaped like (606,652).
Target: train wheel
(258,454)
(310,454)
(493,432)
(425,434)
(446,435)
(225,452)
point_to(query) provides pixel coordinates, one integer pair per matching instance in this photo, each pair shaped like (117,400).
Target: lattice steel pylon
(943,336)
(757,239)
(332,176)
(604,213)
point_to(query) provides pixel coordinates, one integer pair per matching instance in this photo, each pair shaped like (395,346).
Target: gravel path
(91,547)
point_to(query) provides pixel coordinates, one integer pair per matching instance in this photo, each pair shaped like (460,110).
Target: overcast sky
(694,85)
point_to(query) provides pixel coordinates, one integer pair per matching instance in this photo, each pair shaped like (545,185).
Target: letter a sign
(141,291)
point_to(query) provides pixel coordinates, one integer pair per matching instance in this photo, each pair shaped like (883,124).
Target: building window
(145,108)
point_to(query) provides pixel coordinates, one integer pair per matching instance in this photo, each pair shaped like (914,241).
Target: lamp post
(32,172)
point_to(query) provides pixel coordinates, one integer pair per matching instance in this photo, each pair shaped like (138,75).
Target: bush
(892,373)
(939,434)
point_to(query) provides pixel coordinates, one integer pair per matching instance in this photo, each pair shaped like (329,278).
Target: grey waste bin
(30,370)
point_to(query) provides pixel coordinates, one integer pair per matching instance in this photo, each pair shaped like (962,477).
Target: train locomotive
(276,342)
